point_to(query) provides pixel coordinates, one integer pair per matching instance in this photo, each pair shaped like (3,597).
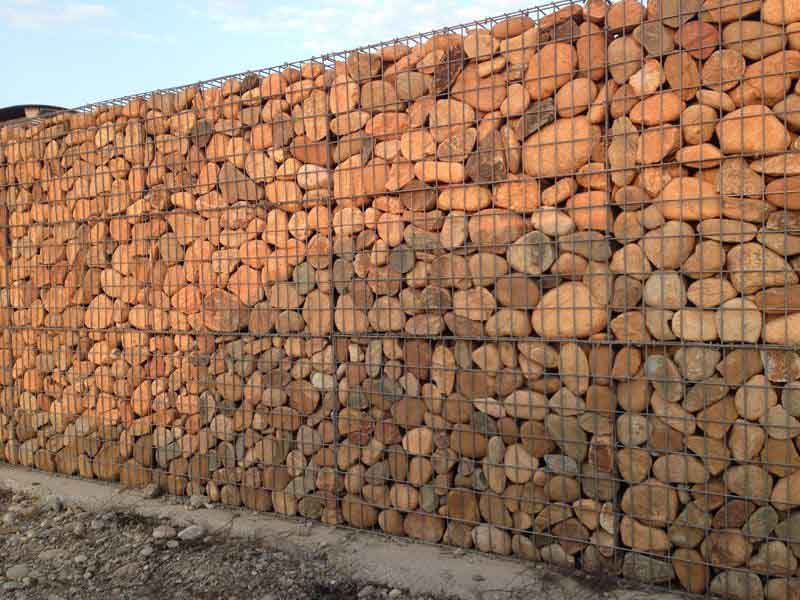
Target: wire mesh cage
(527,285)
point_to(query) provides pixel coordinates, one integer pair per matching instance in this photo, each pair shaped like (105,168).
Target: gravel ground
(50,552)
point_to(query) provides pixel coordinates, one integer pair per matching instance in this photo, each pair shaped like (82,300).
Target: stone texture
(484,289)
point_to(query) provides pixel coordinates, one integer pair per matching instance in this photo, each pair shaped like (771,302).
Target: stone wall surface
(528,285)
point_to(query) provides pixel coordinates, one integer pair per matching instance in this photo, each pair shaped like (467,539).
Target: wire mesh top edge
(412,39)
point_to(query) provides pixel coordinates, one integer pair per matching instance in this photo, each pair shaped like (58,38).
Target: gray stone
(422,240)
(533,253)
(790,530)
(646,569)
(561,464)
(537,115)
(305,276)
(402,258)
(428,499)
(53,504)
(483,423)
(688,529)
(761,522)
(664,376)
(146,551)
(487,164)
(591,245)
(697,364)
(18,572)
(172,544)
(479,482)
(655,38)
(191,533)
(790,398)
(168,452)
(738,585)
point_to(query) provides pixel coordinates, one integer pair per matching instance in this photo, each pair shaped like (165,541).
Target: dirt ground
(67,538)
(50,552)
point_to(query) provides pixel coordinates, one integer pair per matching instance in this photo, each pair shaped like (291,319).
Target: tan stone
(738,320)
(624,58)
(559,148)
(752,130)
(550,68)
(624,15)
(689,199)
(657,143)
(753,267)
(575,97)
(698,38)
(753,39)
(656,109)
(780,12)
(670,245)
(682,74)
(568,311)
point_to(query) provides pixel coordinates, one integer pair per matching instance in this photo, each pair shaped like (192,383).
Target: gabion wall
(528,285)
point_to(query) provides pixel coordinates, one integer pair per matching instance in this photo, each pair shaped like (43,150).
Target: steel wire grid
(535,294)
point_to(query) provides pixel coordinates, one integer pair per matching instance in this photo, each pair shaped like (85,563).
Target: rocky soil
(50,552)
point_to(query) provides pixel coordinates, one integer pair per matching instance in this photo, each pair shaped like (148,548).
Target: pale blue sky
(72,52)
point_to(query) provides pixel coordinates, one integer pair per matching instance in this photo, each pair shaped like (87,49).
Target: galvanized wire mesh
(527,284)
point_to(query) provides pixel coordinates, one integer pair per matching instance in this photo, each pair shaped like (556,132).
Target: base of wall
(420,568)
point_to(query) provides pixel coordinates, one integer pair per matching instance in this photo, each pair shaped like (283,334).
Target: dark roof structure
(26,111)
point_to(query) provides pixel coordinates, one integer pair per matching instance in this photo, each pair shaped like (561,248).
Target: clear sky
(72,52)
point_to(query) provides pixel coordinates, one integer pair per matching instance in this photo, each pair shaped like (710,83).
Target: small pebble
(49,555)
(395,593)
(198,501)
(128,570)
(152,491)
(172,544)
(146,551)
(17,572)
(97,524)
(53,503)
(164,532)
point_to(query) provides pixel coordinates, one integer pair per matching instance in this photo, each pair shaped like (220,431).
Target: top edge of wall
(328,59)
